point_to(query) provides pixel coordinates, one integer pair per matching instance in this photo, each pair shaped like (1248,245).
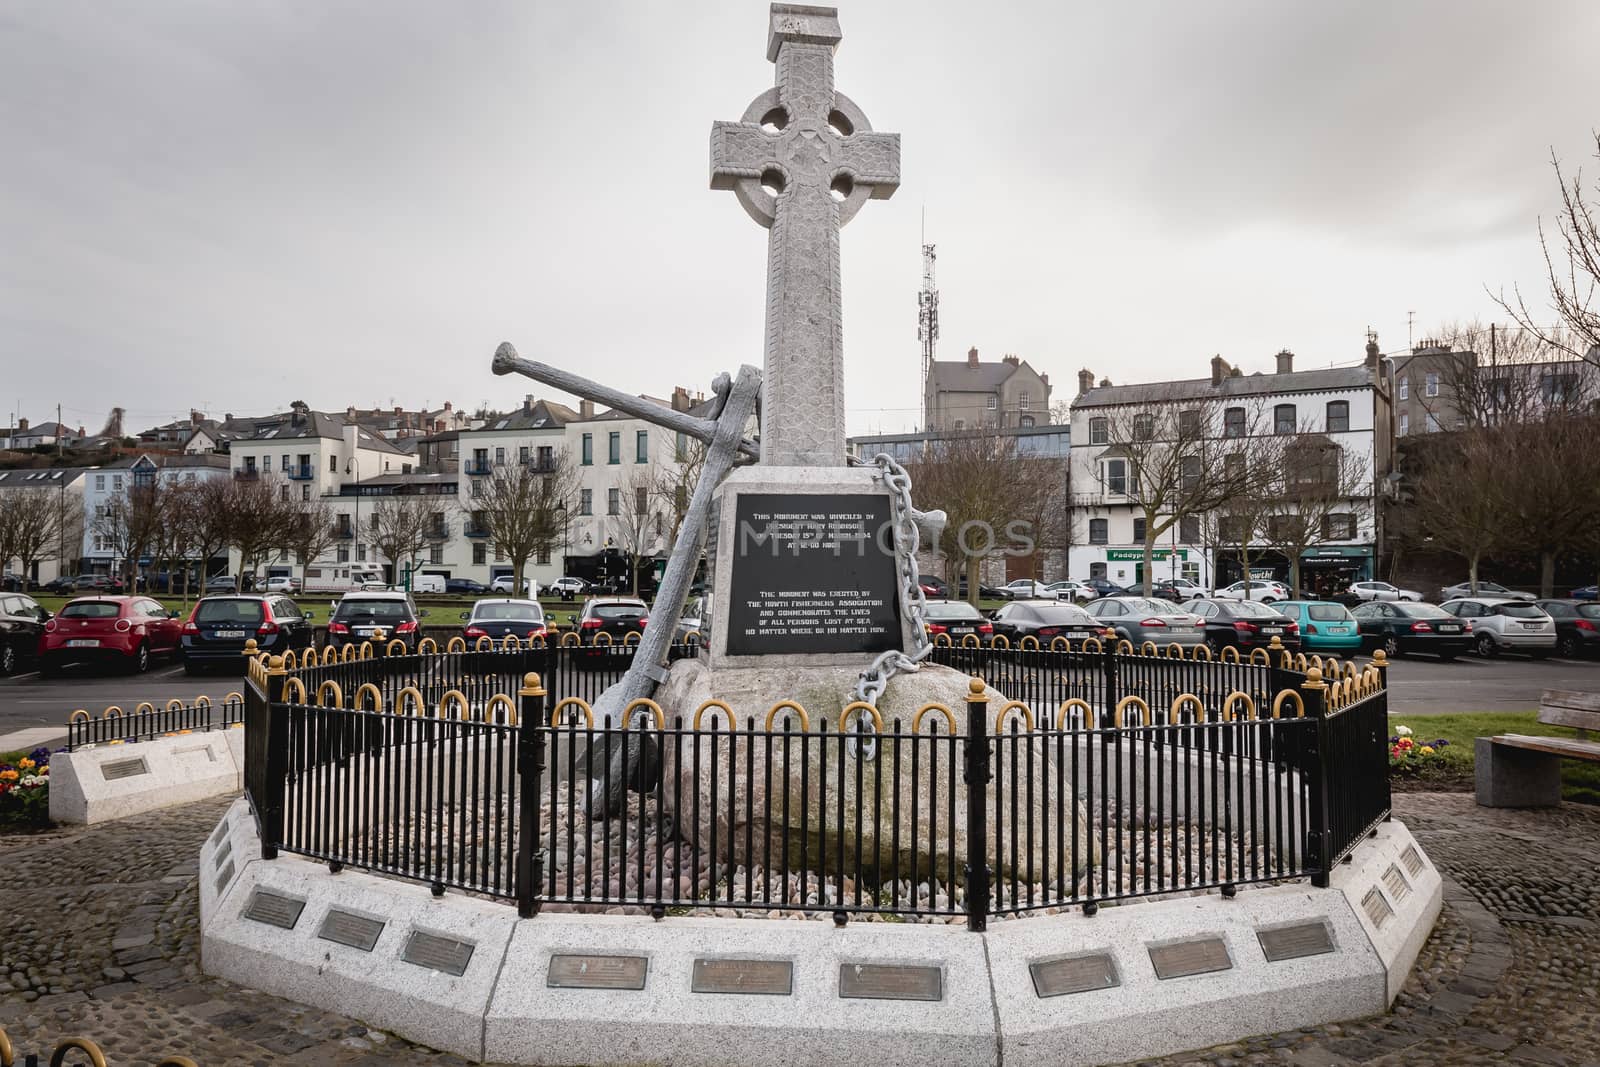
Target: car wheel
(1215,643)
(8,660)
(1486,647)
(1566,647)
(1391,647)
(141,658)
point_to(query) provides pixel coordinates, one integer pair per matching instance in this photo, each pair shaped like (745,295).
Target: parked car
(506,583)
(1027,589)
(985,592)
(1177,590)
(359,615)
(1502,625)
(1046,621)
(1586,592)
(1265,590)
(1324,627)
(428,583)
(1071,590)
(614,616)
(1485,589)
(1367,591)
(218,627)
(956,619)
(692,623)
(129,631)
(283,583)
(1402,627)
(465,586)
(568,588)
(22,623)
(86,583)
(1103,587)
(1577,626)
(496,618)
(225,583)
(933,586)
(1245,624)
(14,583)
(1141,619)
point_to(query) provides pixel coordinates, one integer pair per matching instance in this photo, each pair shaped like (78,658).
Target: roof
(960,376)
(166,460)
(543,415)
(1300,381)
(315,424)
(40,477)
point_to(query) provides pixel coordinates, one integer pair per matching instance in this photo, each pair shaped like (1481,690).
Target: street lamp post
(562,507)
(356,464)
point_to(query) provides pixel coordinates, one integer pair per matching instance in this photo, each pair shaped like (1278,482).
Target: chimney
(680,399)
(1219,369)
(972,358)
(227,416)
(527,404)
(1372,351)
(22,424)
(81,433)
(1010,361)
(1085,381)
(1285,361)
(195,418)
(447,406)
(398,409)
(585,410)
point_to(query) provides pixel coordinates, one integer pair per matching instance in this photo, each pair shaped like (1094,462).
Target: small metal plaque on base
(1412,859)
(773,978)
(1377,907)
(1075,974)
(225,877)
(116,770)
(223,853)
(348,928)
(221,832)
(1294,942)
(274,909)
(1201,956)
(882,981)
(443,954)
(1396,883)
(597,972)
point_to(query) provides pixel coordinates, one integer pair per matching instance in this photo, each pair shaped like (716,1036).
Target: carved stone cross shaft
(816,148)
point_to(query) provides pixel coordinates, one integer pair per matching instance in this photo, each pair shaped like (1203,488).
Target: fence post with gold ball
(530,772)
(1319,777)
(976,773)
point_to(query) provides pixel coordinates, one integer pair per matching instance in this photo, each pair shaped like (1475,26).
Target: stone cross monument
(816,151)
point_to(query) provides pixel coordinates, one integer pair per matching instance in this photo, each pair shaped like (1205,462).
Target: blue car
(1324,625)
(1588,592)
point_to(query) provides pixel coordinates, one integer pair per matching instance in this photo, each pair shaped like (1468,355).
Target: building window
(477,487)
(1338,416)
(1189,423)
(100,481)
(1189,529)
(1099,532)
(586,502)
(680,449)
(641,446)
(1144,427)
(641,500)
(499,553)
(189,478)
(613,501)
(1099,431)
(961,424)
(116,481)
(1557,389)
(1189,472)
(333,464)
(500,457)
(1283,419)
(283,492)
(1024,401)
(1121,478)
(1233,422)
(480,554)
(342,554)
(542,555)
(588,449)
(522,454)
(547,457)
(436,555)
(361,552)
(1405,424)
(1138,531)
(1339,526)
(1405,388)
(1026,422)
(994,401)
(305,492)
(1432,423)
(285,463)
(1430,384)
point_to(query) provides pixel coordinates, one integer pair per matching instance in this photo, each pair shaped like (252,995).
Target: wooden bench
(1517,771)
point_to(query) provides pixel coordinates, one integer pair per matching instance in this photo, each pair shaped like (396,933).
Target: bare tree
(201,509)
(258,516)
(402,528)
(131,522)
(30,526)
(523,507)
(675,482)
(1321,493)
(311,532)
(1456,490)
(639,520)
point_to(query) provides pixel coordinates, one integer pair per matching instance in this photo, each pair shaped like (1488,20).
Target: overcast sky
(232,206)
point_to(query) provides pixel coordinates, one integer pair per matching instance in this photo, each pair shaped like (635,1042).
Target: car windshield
(1140,606)
(1252,609)
(617,611)
(92,609)
(1519,611)
(1422,611)
(373,611)
(1589,611)
(1061,613)
(1328,612)
(954,609)
(240,611)
(1557,610)
(509,613)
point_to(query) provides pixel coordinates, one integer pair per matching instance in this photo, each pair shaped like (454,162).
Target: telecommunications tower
(927,323)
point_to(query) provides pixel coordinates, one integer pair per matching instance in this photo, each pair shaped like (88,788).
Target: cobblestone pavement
(99,937)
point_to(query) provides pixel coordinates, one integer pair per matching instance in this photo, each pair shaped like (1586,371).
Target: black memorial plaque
(882,981)
(443,954)
(348,928)
(597,972)
(768,977)
(1201,956)
(1295,942)
(117,770)
(813,573)
(1075,974)
(274,909)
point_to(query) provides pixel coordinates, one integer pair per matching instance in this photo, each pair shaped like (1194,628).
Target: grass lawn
(1579,781)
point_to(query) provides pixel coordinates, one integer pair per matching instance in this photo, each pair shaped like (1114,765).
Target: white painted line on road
(31,738)
(20,677)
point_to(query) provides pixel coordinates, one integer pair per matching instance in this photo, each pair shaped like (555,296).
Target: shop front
(1125,566)
(1328,570)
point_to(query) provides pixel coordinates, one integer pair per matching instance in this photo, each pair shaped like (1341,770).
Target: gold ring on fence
(1124,643)
(1066,708)
(338,694)
(949,717)
(484,640)
(419,706)
(1175,712)
(1233,649)
(174,704)
(1288,694)
(388,649)
(82,1044)
(605,634)
(1265,660)
(496,701)
(1023,644)
(782,705)
(1098,645)
(330,656)
(509,643)
(1009,706)
(632,637)
(298,687)
(203,701)
(1236,697)
(144,706)
(367,651)
(576,640)
(374,692)
(1145,718)
(577,702)
(454,645)
(1351,671)
(997,639)
(850,711)
(1298,663)
(1202,647)
(1149,648)
(1174,650)
(726,711)
(74,716)
(427,647)
(290,660)
(459,699)
(944,640)
(971,641)
(107,713)
(349,654)
(651,705)
(6,1051)
(1066,646)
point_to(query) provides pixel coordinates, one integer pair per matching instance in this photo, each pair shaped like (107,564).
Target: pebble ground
(99,937)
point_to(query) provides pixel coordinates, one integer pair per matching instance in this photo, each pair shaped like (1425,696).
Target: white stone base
(503,1009)
(176,770)
(1379,877)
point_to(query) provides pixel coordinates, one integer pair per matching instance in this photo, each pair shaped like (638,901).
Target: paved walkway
(99,937)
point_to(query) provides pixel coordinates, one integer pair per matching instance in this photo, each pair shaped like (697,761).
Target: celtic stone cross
(802,161)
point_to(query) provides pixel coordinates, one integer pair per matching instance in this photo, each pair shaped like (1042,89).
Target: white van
(344,578)
(427,583)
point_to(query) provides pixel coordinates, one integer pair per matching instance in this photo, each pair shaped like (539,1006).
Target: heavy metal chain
(907,536)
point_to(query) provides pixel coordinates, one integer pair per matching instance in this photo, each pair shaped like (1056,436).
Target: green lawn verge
(1454,765)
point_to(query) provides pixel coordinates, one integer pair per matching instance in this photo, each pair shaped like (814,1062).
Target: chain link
(907,537)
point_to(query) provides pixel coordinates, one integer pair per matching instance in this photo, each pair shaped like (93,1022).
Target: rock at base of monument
(934,842)
(635,765)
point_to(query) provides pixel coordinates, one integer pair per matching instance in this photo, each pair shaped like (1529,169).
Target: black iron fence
(147,721)
(972,810)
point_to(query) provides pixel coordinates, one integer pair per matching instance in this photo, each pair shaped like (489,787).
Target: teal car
(1324,626)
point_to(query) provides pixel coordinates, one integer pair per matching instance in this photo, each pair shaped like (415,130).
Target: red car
(126,630)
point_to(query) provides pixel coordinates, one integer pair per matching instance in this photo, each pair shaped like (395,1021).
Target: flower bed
(25,789)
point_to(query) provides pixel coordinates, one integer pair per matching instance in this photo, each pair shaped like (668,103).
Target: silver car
(1485,589)
(1367,592)
(1138,619)
(1502,625)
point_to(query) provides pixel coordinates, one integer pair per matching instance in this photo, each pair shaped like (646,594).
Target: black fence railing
(974,810)
(147,721)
